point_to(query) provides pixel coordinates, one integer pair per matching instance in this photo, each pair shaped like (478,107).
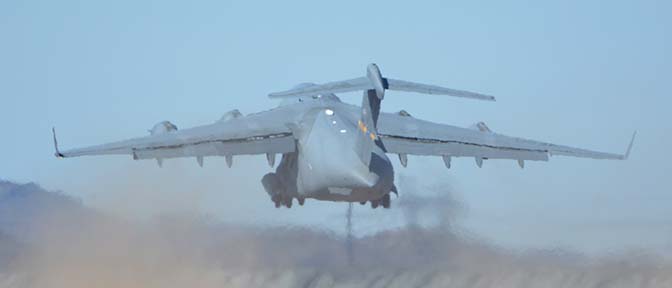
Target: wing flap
(277,144)
(400,145)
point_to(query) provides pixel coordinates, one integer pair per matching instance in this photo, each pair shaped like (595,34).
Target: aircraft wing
(403,134)
(259,133)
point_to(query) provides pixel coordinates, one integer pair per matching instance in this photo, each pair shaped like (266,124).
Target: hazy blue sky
(583,73)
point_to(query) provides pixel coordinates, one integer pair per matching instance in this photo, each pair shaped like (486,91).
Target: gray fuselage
(326,164)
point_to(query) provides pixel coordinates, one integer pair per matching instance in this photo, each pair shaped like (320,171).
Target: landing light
(329,112)
(343,130)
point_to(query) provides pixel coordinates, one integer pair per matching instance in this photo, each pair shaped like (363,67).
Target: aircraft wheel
(362,203)
(374,204)
(276,200)
(386,201)
(301,201)
(288,202)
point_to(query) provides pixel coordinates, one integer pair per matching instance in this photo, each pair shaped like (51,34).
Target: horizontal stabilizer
(400,85)
(357,84)
(374,81)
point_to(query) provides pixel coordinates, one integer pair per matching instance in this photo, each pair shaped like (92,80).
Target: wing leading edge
(261,133)
(407,135)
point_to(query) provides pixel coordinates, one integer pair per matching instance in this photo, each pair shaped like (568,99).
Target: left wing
(259,133)
(402,134)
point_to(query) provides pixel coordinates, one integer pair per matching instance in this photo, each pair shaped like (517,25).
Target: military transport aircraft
(334,151)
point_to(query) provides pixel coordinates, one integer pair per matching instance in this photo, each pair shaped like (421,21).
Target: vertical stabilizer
(368,135)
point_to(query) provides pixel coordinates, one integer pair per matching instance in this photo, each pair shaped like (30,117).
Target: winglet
(57,153)
(632,141)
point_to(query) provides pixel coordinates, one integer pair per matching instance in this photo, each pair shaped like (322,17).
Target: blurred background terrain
(49,239)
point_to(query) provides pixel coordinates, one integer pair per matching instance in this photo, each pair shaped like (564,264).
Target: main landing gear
(286,201)
(385,202)
(281,200)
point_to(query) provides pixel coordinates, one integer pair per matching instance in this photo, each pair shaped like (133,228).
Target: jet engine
(162,128)
(233,114)
(480,126)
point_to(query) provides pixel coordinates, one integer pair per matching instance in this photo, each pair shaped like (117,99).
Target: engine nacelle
(233,114)
(162,127)
(480,126)
(404,113)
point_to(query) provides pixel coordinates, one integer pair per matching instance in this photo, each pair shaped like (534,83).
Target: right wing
(258,133)
(402,134)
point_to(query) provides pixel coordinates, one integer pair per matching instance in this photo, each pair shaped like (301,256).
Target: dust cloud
(71,245)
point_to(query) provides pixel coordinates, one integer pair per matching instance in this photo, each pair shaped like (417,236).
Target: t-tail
(374,86)
(367,138)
